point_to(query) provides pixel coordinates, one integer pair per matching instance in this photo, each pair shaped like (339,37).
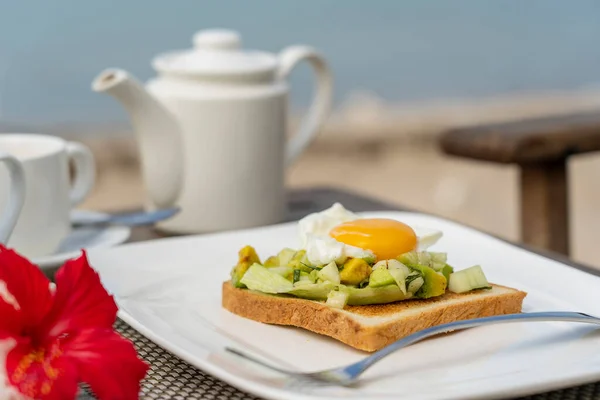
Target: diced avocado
(447,270)
(236,276)
(272,261)
(248,254)
(246,257)
(468,279)
(355,271)
(434,285)
(300,261)
(380,277)
(330,273)
(379,295)
(337,299)
(363,284)
(285,256)
(396,270)
(264,280)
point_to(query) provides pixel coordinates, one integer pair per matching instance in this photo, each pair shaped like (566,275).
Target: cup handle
(321,102)
(85,172)
(16,196)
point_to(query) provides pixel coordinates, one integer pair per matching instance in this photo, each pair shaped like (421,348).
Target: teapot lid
(216,52)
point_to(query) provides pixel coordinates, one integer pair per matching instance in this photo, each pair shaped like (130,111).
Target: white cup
(43,188)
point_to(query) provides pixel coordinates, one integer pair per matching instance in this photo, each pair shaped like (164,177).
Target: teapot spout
(158,134)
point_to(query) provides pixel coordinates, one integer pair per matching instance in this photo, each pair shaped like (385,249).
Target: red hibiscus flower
(52,338)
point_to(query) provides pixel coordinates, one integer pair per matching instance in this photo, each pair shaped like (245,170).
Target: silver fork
(349,374)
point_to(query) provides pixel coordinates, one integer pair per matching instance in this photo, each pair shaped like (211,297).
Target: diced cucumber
(380,264)
(438,260)
(399,273)
(370,259)
(424,258)
(312,291)
(303,282)
(330,273)
(410,258)
(380,277)
(337,299)
(263,280)
(286,272)
(415,284)
(467,280)
(314,275)
(285,256)
(303,277)
(395,264)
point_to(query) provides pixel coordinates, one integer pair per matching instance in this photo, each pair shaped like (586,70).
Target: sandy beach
(391,154)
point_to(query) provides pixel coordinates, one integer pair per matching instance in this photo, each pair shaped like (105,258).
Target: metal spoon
(349,374)
(136,218)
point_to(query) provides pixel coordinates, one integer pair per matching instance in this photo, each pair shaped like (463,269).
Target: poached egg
(336,234)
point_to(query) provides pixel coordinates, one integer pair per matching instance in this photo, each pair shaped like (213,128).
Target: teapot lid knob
(217,39)
(218,53)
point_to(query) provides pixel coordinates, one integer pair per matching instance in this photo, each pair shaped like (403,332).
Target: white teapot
(212,129)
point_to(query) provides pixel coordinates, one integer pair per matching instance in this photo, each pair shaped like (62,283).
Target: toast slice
(371,327)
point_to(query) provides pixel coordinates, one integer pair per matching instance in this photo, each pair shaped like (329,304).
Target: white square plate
(170,290)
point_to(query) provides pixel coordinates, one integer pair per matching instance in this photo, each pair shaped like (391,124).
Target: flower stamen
(35,374)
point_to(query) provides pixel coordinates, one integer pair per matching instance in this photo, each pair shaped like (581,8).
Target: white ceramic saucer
(83,238)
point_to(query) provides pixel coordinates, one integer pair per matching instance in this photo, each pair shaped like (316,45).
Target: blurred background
(404,72)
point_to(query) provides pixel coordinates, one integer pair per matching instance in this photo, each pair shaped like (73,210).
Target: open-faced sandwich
(365,282)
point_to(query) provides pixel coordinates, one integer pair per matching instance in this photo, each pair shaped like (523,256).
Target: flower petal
(107,362)
(25,295)
(80,300)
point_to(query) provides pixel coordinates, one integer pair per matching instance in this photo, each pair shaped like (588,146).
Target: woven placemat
(171,378)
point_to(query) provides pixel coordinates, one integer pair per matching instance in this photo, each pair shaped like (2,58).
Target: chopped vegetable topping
(357,281)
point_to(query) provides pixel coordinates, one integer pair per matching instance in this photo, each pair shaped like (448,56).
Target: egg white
(321,249)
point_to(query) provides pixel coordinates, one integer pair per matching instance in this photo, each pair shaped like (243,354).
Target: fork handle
(564,316)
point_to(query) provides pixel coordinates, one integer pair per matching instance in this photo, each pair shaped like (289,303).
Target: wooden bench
(541,148)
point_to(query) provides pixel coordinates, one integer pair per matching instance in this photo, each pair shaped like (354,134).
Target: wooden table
(541,148)
(171,377)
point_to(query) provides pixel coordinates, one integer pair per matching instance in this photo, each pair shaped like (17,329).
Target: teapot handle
(321,102)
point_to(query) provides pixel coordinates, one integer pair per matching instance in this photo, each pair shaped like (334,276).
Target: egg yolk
(387,238)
